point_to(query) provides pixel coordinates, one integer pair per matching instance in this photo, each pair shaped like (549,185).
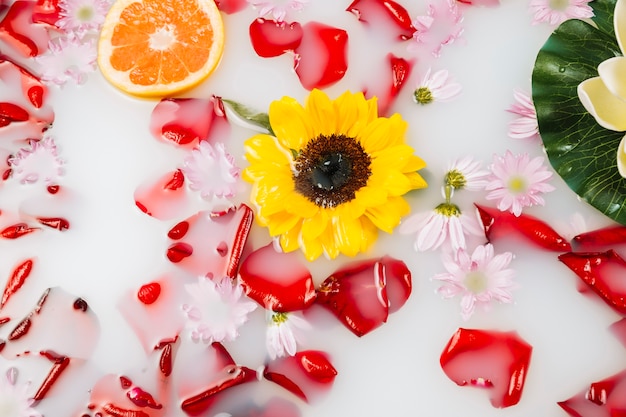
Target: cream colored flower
(605,96)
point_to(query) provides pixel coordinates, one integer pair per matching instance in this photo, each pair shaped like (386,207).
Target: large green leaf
(581,151)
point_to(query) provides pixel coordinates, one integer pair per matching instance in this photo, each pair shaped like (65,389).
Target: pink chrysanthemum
(14,399)
(555,12)
(211,171)
(68,59)
(82,16)
(466,174)
(217,310)
(440,26)
(478,279)
(38,162)
(436,87)
(282,333)
(444,225)
(525,126)
(518,181)
(277,9)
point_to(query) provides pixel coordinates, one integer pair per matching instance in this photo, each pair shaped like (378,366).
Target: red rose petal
(619,330)
(307,374)
(278,281)
(231,6)
(497,361)
(21,32)
(186,121)
(600,239)
(17,278)
(499,224)
(392,82)
(606,398)
(216,240)
(47,11)
(357,296)
(603,272)
(321,57)
(270,38)
(392,16)
(398,280)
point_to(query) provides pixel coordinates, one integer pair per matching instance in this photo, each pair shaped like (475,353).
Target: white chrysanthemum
(438,86)
(466,174)
(68,59)
(82,16)
(282,333)
(211,170)
(217,310)
(38,162)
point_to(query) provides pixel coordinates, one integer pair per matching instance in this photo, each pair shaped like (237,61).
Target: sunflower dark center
(330,169)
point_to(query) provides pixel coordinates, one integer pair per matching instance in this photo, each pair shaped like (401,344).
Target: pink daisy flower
(38,162)
(282,333)
(555,12)
(525,126)
(478,278)
(211,171)
(444,225)
(217,310)
(14,399)
(439,27)
(518,181)
(436,87)
(68,59)
(82,16)
(277,9)
(465,173)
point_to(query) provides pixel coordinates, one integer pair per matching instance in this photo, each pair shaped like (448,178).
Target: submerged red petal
(231,6)
(270,38)
(307,374)
(356,294)
(606,398)
(163,198)
(603,272)
(371,12)
(600,239)
(322,56)
(24,34)
(493,360)
(498,224)
(278,281)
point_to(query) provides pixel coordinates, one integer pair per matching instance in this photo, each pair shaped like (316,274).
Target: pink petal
(497,361)
(307,374)
(277,281)
(270,38)
(321,57)
(215,239)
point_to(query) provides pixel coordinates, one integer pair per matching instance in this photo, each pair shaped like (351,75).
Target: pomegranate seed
(179,251)
(149,293)
(179,230)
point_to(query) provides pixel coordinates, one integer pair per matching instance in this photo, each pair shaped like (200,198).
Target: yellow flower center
(517,185)
(85,13)
(279,318)
(448,210)
(476,282)
(456,179)
(330,169)
(423,95)
(559,5)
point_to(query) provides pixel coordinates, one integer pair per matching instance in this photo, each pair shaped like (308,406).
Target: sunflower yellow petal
(312,248)
(313,227)
(387,216)
(321,113)
(370,233)
(608,110)
(301,206)
(290,240)
(266,149)
(354,113)
(414,163)
(291,123)
(282,222)
(348,234)
(382,133)
(416,180)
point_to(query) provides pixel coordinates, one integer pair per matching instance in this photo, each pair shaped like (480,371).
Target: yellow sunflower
(333,174)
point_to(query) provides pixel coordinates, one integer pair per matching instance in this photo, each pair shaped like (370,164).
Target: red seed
(16,231)
(116,411)
(179,230)
(177,181)
(21,329)
(53,189)
(179,251)
(80,304)
(16,280)
(142,399)
(13,112)
(149,293)
(125,382)
(165,362)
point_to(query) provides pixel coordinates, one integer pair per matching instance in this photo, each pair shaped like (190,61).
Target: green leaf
(250,116)
(581,151)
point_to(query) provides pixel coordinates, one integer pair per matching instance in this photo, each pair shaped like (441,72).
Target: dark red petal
(57,223)
(603,272)
(600,239)
(498,224)
(19,275)
(493,360)
(307,374)
(13,113)
(186,121)
(270,38)
(47,11)
(321,57)
(399,283)
(17,230)
(379,12)
(606,398)
(278,281)
(356,294)
(213,243)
